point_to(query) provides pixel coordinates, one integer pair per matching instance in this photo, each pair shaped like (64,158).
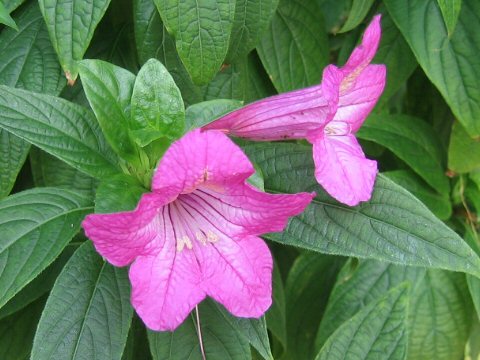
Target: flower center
(337,128)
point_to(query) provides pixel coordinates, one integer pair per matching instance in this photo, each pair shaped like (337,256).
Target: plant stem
(199,332)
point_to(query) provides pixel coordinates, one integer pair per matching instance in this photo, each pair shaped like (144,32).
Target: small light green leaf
(109,89)
(61,128)
(294,50)
(201,29)
(119,192)
(440,205)
(359,285)
(220,340)
(357,13)
(440,317)
(5,17)
(71,24)
(251,20)
(88,312)
(36,225)
(422,25)
(450,11)
(393,226)
(413,141)
(205,112)
(157,105)
(377,331)
(463,151)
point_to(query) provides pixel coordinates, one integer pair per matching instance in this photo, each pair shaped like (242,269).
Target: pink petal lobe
(342,169)
(238,274)
(166,287)
(291,115)
(201,158)
(122,236)
(356,103)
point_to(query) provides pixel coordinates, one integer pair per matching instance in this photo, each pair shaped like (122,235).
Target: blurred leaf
(251,20)
(335,12)
(450,11)
(59,127)
(157,105)
(11,5)
(5,17)
(201,29)
(27,61)
(439,204)
(422,25)
(393,226)
(357,286)
(358,12)
(71,24)
(220,340)
(307,290)
(463,152)
(88,312)
(413,141)
(137,342)
(36,225)
(276,315)
(294,50)
(440,317)
(377,331)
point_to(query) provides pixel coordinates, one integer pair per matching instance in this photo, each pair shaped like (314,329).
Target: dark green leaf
(357,13)
(220,340)
(295,49)
(118,193)
(36,225)
(422,25)
(137,342)
(88,312)
(463,151)
(450,10)
(61,128)
(393,226)
(201,29)
(71,24)
(377,331)
(276,316)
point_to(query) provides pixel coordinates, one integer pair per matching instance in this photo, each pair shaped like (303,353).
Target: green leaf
(359,285)
(118,193)
(307,289)
(295,50)
(276,316)
(36,225)
(109,89)
(27,61)
(393,226)
(422,25)
(137,342)
(413,141)
(88,312)
(205,112)
(17,331)
(395,53)
(335,12)
(11,5)
(201,29)
(229,83)
(440,317)
(252,18)
(220,340)
(377,331)
(157,105)
(357,13)
(71,24)
(474,288)
(440,205)
(61,128)
(463,151)
(450,10)
(153,41)
(5,17)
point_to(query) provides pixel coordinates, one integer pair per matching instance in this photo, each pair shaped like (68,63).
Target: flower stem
(199,332)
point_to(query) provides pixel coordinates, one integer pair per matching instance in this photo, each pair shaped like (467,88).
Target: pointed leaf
(205,112)
(36,225)
(5,17)
(88,312)
(357,13)
(450,11)
(61,128)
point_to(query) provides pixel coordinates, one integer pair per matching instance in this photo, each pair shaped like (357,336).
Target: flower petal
(120,237)
(238,274)
(342,169)
(166,287)
(201,158)
(292,115)
(355,104)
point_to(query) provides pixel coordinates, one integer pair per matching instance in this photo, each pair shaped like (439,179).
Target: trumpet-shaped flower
(196,233)
(350,92)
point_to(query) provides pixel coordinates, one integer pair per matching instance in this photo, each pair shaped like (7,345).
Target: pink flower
(351,92)
(196,233)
